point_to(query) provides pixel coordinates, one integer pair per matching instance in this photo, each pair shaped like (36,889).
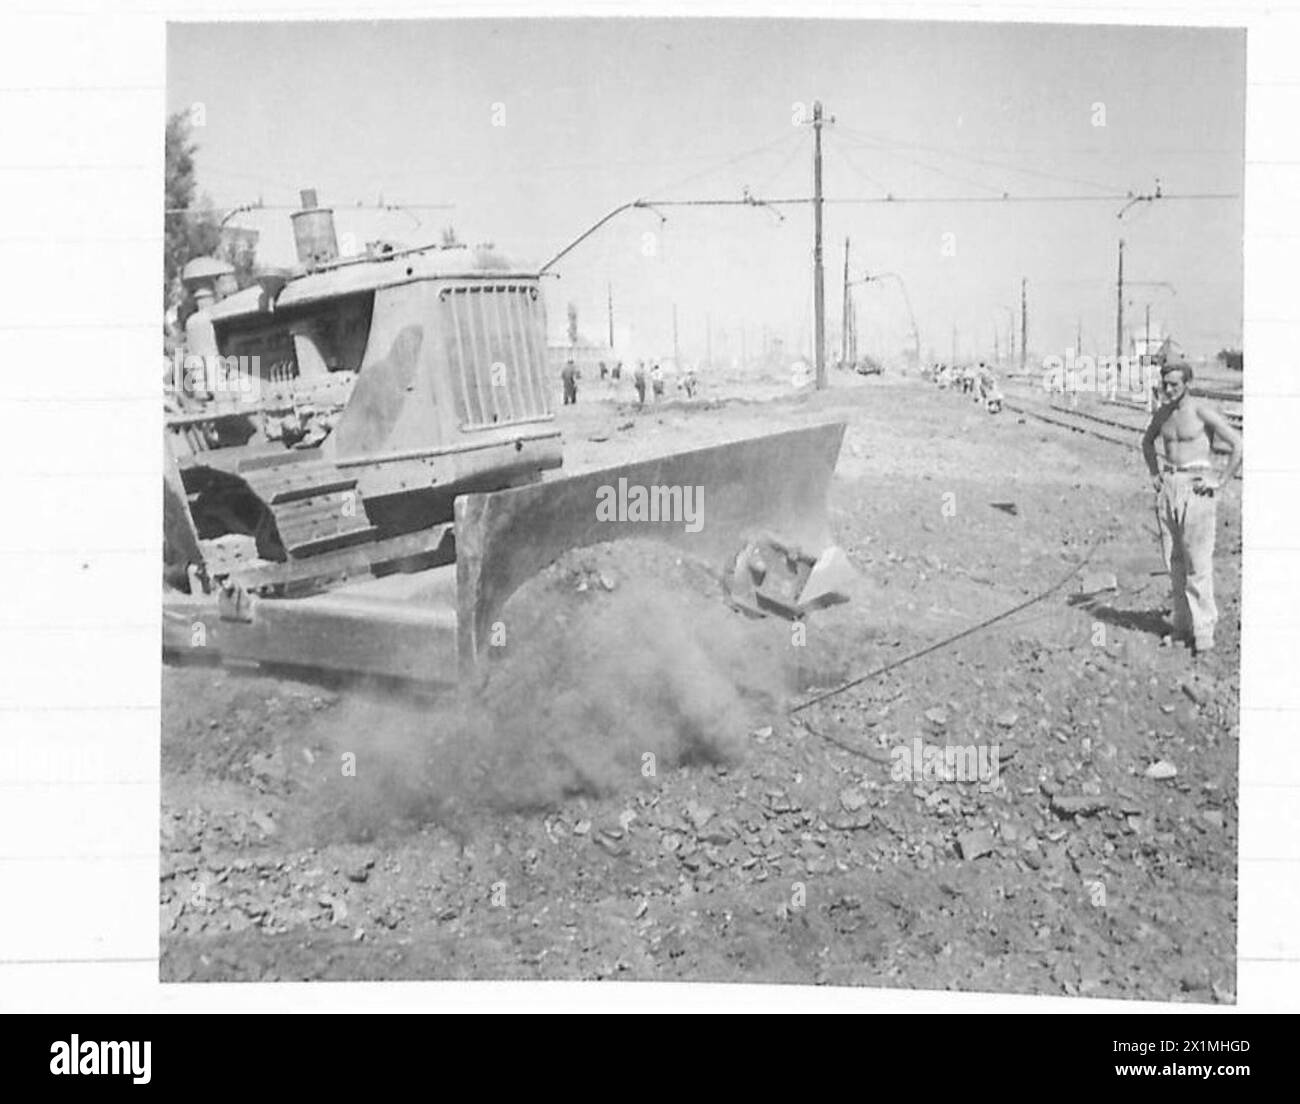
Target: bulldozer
(362,465)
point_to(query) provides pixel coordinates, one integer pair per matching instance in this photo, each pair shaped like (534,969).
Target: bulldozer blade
(774,484)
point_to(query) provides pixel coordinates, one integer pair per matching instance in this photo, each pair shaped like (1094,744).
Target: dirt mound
(614,664)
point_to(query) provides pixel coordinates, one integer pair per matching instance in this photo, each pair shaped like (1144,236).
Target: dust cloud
(619,666)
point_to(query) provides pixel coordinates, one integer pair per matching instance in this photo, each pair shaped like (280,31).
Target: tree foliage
(191,228)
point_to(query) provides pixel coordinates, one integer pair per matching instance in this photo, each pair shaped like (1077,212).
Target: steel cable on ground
(950,640)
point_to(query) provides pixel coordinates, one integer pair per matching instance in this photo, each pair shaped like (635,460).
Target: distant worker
(570,377)
(1186,484)
(617,371)
(638,380)
(657,381)
(689,382)
(604,372)
(990,394)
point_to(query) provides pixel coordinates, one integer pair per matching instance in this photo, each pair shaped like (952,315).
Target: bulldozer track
(316,509)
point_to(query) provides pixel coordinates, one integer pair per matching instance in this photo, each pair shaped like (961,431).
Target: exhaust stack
(313,232)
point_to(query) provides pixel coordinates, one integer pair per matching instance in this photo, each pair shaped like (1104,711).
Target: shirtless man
(1186,485)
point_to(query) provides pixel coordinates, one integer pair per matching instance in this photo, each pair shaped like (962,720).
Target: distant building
(1156,346)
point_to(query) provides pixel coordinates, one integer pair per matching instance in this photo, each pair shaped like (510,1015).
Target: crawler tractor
(367,468)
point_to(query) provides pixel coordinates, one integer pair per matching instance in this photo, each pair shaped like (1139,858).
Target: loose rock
(974,844)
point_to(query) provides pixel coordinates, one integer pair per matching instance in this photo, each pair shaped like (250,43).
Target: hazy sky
(599,112)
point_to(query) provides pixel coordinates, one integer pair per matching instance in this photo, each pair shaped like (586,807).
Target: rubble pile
(1046,807)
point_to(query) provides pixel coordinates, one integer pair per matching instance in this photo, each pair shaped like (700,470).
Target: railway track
(1126,434)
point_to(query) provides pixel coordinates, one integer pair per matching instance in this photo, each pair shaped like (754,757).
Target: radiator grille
(496,346)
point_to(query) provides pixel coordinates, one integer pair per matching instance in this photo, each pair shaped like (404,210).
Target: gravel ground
(526,834)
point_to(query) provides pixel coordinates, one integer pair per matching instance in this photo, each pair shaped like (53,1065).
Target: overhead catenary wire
(868,141)
(1017,198)
(734,159)
(786,201)
(795,150)
(249,208)
(968,181)
(837,153)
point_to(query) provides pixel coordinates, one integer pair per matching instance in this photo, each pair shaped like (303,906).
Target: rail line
(1132,434)
(1063,420)
(1046,412)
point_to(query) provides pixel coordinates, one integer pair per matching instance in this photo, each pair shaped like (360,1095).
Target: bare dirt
(633,799)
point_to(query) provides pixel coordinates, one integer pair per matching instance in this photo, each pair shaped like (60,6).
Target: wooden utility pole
(819,291)
(844,305)
(954,345)
(1119,304)
(1078,338)
(677,352)
(1024,323)
(609,302)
